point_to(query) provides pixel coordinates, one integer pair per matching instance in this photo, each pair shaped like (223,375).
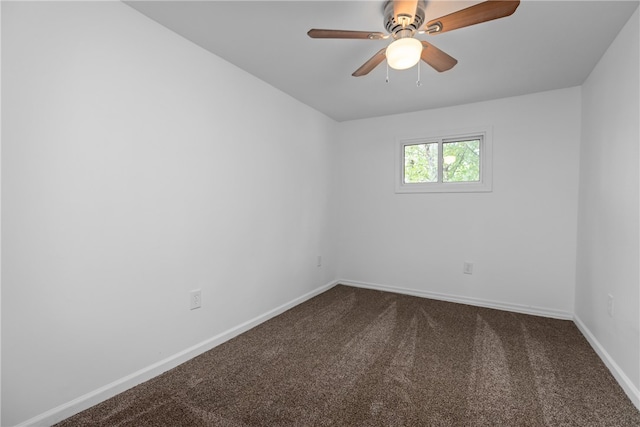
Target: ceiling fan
(404,19)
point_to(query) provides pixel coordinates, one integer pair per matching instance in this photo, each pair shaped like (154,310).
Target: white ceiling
(544,45)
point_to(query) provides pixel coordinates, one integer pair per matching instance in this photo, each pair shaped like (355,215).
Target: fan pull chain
(418,83)
(387,80)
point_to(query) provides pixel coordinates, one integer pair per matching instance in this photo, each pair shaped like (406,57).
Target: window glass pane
(461,161)
(421,163)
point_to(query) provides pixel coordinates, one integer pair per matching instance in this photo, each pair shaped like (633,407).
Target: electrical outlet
(610,305)
(195,299)
(467,268)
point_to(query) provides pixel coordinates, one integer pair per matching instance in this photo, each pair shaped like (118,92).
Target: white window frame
(485,184)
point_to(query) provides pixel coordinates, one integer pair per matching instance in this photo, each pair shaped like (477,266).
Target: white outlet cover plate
(195,299)
(467,268)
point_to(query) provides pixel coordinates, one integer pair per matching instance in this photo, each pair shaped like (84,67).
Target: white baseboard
(517,308)
(625,382)
(90,399)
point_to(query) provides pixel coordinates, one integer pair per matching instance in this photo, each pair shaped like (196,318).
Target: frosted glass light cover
(403,53)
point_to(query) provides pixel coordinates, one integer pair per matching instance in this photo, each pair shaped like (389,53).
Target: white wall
(135,167)
(608,258)
(520,237)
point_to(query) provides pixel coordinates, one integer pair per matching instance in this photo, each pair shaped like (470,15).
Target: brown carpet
(359,357)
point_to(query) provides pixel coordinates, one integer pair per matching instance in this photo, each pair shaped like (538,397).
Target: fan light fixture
(404,19)
(403,53)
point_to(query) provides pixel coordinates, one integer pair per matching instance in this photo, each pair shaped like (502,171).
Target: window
(457,162)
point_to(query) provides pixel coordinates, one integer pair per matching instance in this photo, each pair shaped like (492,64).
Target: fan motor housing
(395,28)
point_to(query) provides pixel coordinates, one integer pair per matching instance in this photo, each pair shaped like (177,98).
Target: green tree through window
(421,163)
(461,161)
(447,163)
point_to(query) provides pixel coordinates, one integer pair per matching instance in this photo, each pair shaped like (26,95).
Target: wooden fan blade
(372,63)
(404,8)
(439,60)
(481,12)
(344,34)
